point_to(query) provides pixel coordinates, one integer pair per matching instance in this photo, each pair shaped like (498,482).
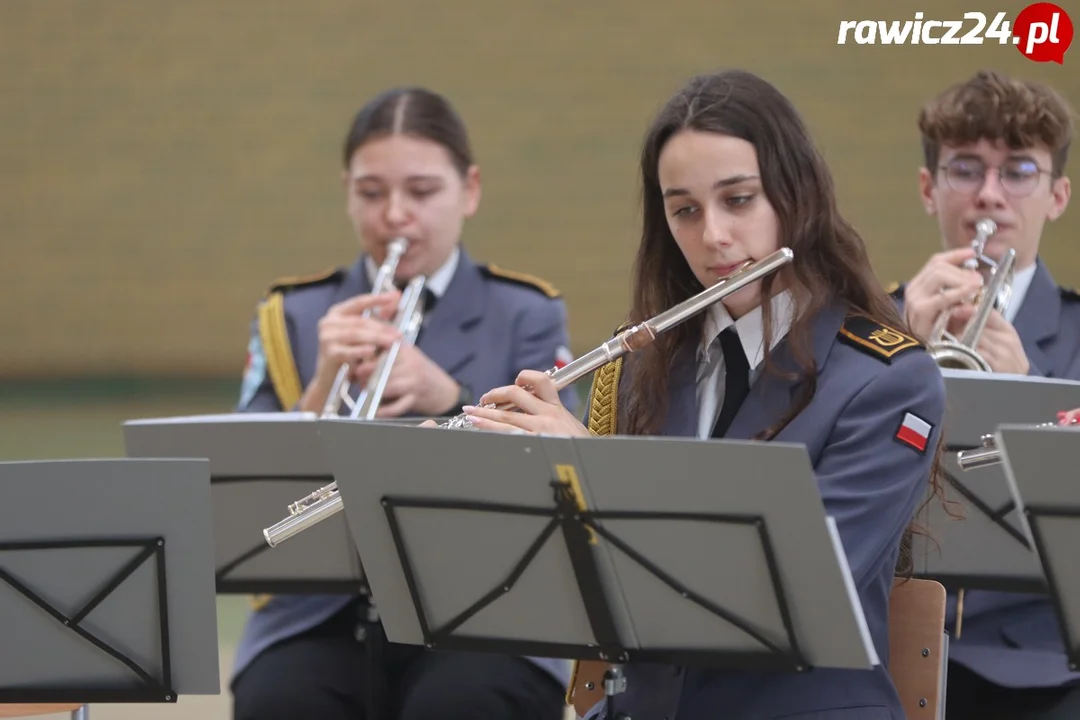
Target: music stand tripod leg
(81,713)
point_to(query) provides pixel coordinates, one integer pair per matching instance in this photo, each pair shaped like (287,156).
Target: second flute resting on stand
(326,502)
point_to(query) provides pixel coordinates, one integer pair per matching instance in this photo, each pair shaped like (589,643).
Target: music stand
(106,589)
(1040,464)
(988,548)
(260,463)
(542,546)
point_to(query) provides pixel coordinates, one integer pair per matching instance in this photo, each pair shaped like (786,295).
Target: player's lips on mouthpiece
(725,270)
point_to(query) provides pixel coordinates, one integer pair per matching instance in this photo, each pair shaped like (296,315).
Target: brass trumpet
(407,319)
(326,501)
(959,353)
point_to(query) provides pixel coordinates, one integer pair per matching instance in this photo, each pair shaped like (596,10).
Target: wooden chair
(918,652)
(918,647)
(587,687)
(78,711)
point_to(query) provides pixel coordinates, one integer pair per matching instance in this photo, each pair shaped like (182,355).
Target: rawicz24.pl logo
(1042,32)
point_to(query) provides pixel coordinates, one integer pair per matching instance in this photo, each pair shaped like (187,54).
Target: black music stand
(106,588)
(987,549)
(1041,467)
(542,546)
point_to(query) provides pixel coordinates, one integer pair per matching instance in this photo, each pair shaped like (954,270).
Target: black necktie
(736,380)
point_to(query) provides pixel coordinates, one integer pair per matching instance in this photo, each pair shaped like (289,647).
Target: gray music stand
(988,548)
(106,586)
(1040,464)
(617,549)
(259,464)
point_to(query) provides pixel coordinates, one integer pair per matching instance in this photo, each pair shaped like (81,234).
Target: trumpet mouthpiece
(986,227)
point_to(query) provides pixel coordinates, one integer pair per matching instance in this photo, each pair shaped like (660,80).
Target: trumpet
(959,353)
(407,320)
(326,501)
(989,454)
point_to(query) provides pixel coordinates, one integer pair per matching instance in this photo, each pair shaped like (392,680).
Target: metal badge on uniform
(254,371)
(914,431)
(563,357)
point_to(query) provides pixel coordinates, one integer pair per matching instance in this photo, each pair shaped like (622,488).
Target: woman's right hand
(347,337)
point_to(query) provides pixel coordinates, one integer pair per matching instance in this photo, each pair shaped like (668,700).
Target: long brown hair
(831,263)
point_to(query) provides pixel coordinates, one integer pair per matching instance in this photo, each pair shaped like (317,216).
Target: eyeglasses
(1018,178)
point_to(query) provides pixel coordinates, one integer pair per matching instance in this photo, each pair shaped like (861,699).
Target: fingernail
(467,408)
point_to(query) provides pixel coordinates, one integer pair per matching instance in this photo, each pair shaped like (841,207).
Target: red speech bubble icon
(1043,32)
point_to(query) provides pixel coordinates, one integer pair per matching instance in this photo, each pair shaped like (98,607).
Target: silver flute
(327,502)
(643,334)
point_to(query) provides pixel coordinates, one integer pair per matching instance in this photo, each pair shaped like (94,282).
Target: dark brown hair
(991,106)
(831,262)
(413,111)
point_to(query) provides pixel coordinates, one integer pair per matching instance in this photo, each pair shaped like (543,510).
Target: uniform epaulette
(1070,293)
(525,279)
(295,281)
(873,338)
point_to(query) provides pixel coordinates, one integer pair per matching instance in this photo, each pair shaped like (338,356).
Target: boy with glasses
(995,147)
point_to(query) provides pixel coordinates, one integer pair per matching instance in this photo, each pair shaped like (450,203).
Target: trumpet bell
(951,355)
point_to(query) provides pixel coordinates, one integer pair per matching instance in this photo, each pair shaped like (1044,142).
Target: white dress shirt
(1021,282)
(751,332)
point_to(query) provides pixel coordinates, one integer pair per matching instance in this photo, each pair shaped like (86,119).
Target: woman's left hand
(537,409)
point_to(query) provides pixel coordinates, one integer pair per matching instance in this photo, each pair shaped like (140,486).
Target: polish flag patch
(563,357)
(914,431)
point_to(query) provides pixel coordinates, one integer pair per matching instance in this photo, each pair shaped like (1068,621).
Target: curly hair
(992,106)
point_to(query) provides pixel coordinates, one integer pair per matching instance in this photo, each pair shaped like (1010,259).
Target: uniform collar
(436,283)
(750,327)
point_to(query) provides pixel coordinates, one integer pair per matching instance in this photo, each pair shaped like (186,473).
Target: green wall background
(162,162)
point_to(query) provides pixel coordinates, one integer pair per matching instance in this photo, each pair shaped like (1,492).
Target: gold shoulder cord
(283,373)
(602,419)
(279,358)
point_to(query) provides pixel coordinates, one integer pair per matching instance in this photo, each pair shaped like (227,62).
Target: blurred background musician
(409,172)
(793,358)
(996,147)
